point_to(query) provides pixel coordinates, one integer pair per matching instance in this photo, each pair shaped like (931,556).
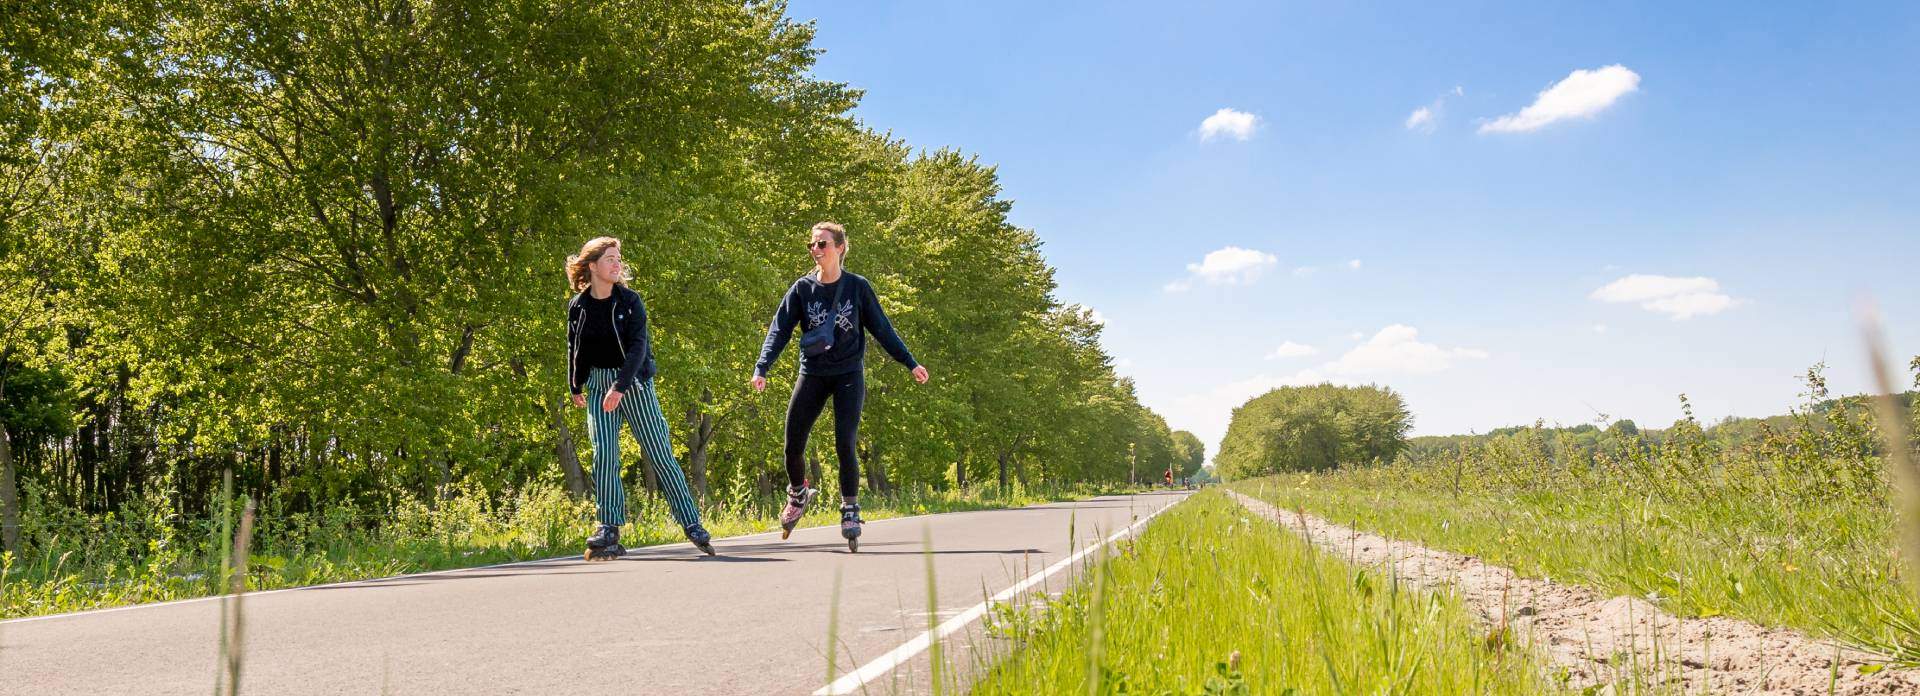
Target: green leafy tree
(1314,428)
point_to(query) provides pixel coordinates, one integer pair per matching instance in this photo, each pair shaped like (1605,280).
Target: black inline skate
(605,544)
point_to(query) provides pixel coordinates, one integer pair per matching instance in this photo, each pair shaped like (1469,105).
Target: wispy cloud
(1353,265)
(1229,123)
(1582,94)
(1304,271)
(1289,349)
(1226,266)
(1421,120)
(1397,349)
(1424,119)
(1678,298)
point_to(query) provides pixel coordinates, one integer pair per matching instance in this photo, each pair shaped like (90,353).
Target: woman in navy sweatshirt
(834,311)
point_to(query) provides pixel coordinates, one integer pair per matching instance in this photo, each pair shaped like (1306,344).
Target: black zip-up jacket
(629,329)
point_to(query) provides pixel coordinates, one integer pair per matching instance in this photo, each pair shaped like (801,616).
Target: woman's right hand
(759,383)
(579,400)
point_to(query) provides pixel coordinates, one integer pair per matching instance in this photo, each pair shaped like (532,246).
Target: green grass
(1826,567)
(1212,599)
(75,563)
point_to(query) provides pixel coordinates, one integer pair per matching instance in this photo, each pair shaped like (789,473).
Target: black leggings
(810,392)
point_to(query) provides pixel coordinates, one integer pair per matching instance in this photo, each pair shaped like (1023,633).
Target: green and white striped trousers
(640,408)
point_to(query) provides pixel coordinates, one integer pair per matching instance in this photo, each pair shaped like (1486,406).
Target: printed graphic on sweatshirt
(816,314)
(845,319)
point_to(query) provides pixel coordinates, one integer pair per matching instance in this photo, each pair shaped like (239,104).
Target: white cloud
(1356,335)
(1304,271)
(1581,95)
(1599,328)
(1289,349)
(1238,125)
(1397,350)
(1353,265)
(1424,119)
(1227,266)
(1097,317)
(1678,298)
(1421,120)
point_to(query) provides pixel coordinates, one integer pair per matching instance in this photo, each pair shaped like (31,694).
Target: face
(608,267)
(823,248)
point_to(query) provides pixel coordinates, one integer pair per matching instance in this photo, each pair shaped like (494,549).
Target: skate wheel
(853,545)
(784,533)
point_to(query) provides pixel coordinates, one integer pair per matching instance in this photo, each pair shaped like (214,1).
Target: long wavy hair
(578,275)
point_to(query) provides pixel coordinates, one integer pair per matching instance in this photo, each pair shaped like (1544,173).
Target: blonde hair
(839,238)
(578,275)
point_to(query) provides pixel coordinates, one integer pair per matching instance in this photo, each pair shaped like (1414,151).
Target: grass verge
(1825,568)
(1212,599)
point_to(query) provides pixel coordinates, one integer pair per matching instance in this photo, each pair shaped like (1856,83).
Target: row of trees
(1313,428)
(319,244)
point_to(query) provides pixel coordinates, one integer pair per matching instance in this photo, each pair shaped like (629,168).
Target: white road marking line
(852,681)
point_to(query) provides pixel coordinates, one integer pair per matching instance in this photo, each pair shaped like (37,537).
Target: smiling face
(825,250)
(608,268)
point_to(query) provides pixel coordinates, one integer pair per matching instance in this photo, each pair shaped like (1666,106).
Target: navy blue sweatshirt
(624,327)
(805,307)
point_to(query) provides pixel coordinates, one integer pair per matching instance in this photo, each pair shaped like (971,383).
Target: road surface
(662,620)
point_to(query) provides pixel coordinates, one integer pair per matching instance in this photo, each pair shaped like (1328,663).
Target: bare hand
(920,374)
(759,383)
(612,402)
(579,400)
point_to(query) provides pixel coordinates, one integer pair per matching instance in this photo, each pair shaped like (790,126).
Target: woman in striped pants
(610,366)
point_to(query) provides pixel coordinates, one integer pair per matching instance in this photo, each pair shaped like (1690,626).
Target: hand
(612,402)
(579,400)
(759,383)
(920,374)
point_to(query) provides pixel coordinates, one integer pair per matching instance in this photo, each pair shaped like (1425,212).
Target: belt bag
(819,339)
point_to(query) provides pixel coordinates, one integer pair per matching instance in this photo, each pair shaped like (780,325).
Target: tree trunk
(702,425)
(1003,472)
(876,473)
(960,470)
(569,454)
(9,497)
(1005,455)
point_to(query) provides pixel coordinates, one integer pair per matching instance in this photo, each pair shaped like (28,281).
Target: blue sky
(1694,205)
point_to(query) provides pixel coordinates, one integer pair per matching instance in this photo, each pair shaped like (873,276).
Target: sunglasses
(822,244)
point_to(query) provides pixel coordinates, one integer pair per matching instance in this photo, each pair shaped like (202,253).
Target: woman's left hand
(612,402)
(920,374)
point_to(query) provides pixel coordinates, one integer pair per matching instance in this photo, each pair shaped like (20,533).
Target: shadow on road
(866,549)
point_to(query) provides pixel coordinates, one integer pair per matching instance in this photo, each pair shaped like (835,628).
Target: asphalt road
(661,620)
